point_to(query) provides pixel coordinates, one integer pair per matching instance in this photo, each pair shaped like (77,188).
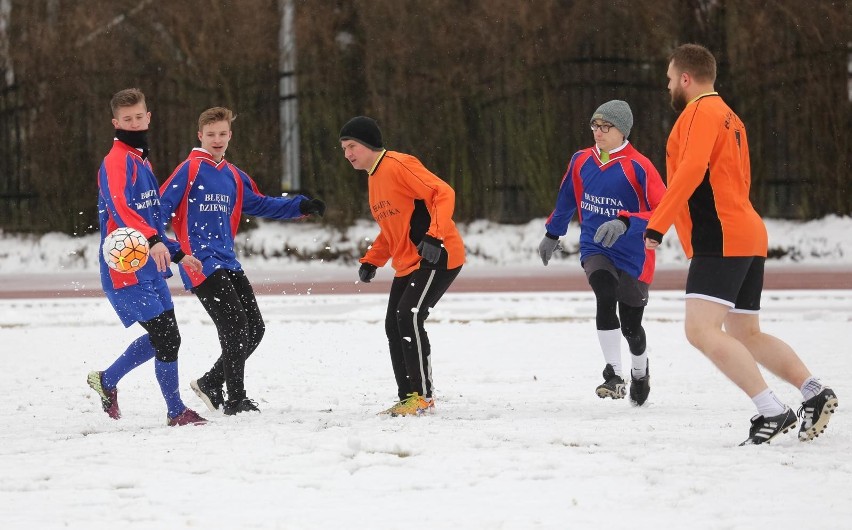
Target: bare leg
(773,353)
(703,326)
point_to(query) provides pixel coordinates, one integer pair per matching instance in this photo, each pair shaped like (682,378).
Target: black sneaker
(235,406)
(639,388)
(211,396)
(613,385)
(764,429)
(815,414)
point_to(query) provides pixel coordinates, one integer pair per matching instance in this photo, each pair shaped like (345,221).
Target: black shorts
(630,290)
(736,282)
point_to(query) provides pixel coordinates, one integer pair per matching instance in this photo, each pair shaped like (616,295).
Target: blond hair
(214,115)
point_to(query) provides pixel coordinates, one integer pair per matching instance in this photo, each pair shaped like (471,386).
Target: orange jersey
(409,201)
(708,179)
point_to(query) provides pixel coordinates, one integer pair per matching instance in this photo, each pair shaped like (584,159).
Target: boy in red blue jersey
(128,196)
(206,197)
(613,189)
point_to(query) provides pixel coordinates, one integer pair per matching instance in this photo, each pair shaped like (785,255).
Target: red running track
(336,280)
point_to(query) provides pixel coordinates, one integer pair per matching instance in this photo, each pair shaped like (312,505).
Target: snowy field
(519,439)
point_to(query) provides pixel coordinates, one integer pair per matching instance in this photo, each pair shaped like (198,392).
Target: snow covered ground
(519,438)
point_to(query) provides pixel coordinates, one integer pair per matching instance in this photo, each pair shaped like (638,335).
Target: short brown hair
(696,60)
(213,115)
(126,98)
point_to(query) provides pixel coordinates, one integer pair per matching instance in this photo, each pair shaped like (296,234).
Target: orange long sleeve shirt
(708,178)
(408,201)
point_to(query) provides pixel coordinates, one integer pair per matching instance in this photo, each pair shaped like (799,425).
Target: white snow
(518,440)
(271,245)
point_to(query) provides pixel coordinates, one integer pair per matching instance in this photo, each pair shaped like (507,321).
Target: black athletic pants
(229,300)
(410,299)
(605,286)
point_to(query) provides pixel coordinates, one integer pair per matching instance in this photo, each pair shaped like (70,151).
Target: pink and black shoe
(187,417)
(109,397)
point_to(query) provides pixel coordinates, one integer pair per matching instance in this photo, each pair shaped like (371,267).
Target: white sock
(811,387)
(640,364)
(610,340)
(768,404)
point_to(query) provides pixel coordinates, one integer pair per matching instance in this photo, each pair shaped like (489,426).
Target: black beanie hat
(363,130)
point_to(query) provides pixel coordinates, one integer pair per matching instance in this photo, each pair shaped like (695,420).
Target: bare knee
(695,335)
(742,327)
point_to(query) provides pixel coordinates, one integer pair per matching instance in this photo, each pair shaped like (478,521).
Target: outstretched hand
(312,206)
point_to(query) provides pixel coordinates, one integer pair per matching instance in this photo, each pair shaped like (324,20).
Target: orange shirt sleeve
(379,252)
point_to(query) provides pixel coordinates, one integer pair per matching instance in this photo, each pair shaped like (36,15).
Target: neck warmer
(137,139)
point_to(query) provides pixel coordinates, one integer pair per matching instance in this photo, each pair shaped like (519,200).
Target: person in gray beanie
(613,189)
(617,113)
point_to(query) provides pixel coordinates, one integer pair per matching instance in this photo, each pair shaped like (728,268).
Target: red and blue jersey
(206,200)
(128,196)
(628,185)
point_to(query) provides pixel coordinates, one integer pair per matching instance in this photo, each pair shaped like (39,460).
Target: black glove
(312,206)
(367,272)
(430,248)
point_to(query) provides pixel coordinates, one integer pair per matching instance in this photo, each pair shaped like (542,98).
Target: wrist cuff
(654,235)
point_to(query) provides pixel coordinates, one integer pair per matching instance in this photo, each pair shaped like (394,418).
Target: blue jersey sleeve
(260,205)
(172,192)
(566,203)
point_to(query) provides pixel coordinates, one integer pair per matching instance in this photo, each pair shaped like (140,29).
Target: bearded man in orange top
(709,176)
(414,210)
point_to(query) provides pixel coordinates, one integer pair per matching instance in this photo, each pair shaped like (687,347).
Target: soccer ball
(125,250)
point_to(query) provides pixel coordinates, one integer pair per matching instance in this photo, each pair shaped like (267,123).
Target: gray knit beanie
(618,113)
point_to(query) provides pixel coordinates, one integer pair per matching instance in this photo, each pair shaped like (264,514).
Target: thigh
(718,279)
(245,292)
(220,298)
(141,302)
(748,299)
(703,314)
(398,287)
(631,291)
(425,287)
(599,262)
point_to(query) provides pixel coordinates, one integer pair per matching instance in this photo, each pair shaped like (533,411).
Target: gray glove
(430,248)
(610,231)
(547,247)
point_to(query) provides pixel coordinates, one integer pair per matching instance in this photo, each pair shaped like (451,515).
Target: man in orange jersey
(708,173)
(414,210)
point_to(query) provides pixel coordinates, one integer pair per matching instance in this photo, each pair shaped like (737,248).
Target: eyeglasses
(604,127)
